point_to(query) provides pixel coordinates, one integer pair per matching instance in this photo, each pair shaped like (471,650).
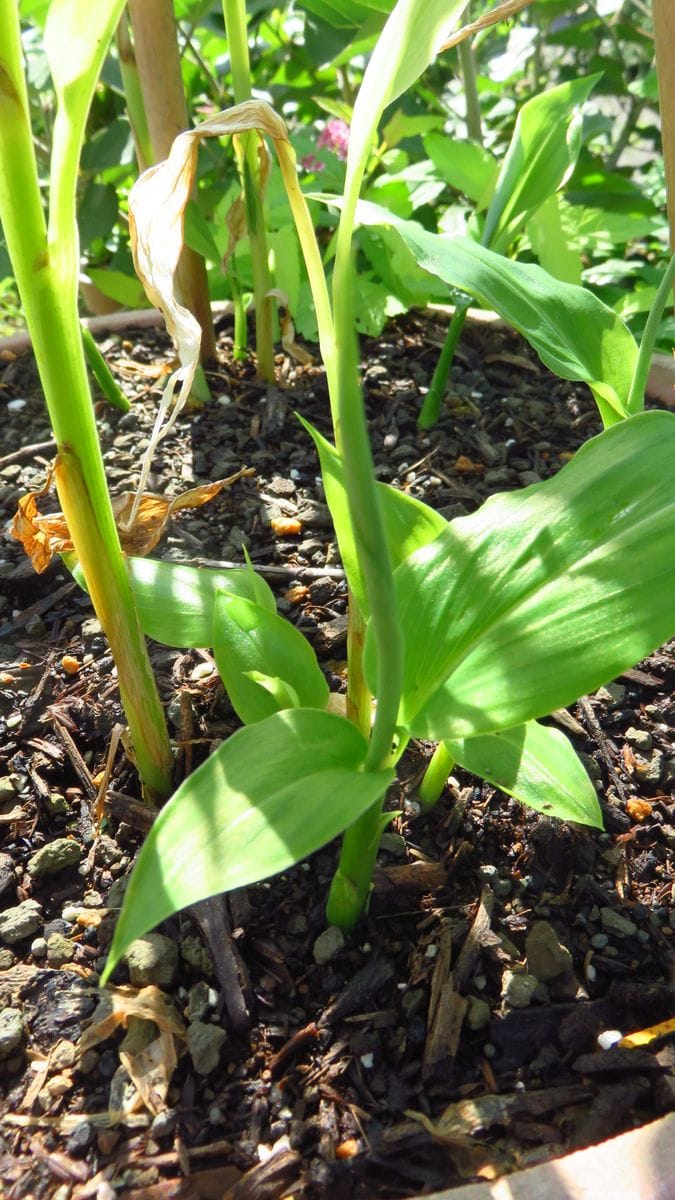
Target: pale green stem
(636,397)
(435,777)
(467,64)
(102,373)
(46,273)
(133,94)
(234,13)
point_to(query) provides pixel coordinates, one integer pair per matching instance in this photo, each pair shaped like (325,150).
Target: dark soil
(424,1010)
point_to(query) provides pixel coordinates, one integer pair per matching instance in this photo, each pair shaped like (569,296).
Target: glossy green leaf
(408,522)
(247,640)
(268,797)
(465,166)
(541,154)
(573,332)
(542,595)
(176,604)
(535,764)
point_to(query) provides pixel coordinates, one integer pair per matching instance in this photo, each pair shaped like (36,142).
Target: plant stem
(133,94)
(430,410)
(102,373)
(467,63)
(45,269)
(435,777)
(636,396)
(239,351)
(234,13)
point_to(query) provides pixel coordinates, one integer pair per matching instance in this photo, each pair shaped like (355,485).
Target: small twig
(79,765)
(27,451)
(603,742)
(269,569)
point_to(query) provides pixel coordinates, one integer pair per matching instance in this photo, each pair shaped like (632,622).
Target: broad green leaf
(247,640)
(465,166)
(346,14)
(573,332)
(268,797)
(176,604)
(408,522)
(544,594)
(550,244)
(125,289)
(535,764)
(541,154)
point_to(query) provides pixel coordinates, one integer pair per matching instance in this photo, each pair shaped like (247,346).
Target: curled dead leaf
(44,536)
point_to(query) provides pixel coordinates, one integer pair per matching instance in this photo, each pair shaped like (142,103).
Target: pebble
(612,695)
(198,1004)
(640,739)
(599,941)
(60,950)
(651,770)
(54,856)
(546,956)
(518,989)
(478,1013)
(327,945)
(80,1139)
(11,1031)
(205,1043)
(488,873)
(196,956)
(38,947)
(7,789)
(152,959)
(20,922)
(615,924)
(7,875)
(164,1123)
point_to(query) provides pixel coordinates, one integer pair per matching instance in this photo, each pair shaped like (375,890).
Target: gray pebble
(7,874)
(615,924)
(599,941)
(54,856)
(11,1031)
(478,1013)
(38,947)
(640,739)
(80,1139)
(651,770)
(487,873)
(152,958)
(205,1043)
(518,989)
(20,922)
(547,958)
(164,1123)
(327,945)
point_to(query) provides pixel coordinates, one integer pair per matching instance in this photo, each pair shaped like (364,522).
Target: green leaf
(549,242)
(542,595)
(176,604)
(199,235)
(408,522)
(249,640)
(540,157)
(535,764)
(268,797)
(573,332)
(409,41)
(125,289)
(465,166)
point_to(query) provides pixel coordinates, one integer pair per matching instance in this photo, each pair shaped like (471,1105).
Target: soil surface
(454,1035)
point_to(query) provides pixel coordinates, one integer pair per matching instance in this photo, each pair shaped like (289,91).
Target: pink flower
(311,163)
(335,136)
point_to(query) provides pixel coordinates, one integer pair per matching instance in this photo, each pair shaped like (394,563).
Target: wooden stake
(158,61)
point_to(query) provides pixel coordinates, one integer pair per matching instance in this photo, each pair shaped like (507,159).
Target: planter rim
(638,1165)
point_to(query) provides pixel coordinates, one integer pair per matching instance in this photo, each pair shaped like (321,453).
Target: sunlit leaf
(543,594)
(537,765)
(268,797)
(248,641)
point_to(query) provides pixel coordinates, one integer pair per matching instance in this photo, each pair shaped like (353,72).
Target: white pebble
(609,1038)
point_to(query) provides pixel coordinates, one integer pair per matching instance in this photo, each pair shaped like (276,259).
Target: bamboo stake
(158,61)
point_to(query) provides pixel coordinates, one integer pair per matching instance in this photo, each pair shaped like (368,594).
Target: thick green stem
(435,777)
(45,269)
(239,351)
(430,410)
(234,12)
(133,95)
(636,397)
(467,62)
